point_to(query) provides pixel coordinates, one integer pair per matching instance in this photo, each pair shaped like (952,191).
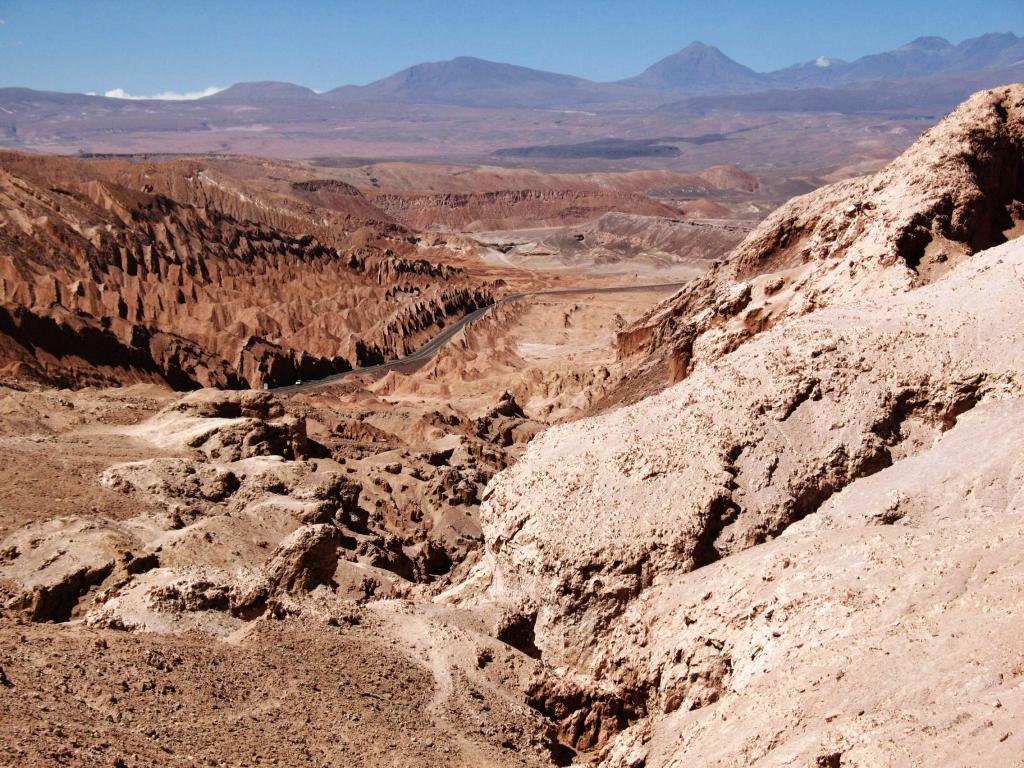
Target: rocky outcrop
(958,190)
(683,565)
(302,562)
(598,513)
(234,477)
(408,328)
(230,426)
(505,424)
(57,562)
(71,349)
(260,360)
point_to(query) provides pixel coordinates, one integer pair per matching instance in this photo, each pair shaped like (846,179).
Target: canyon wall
(102,282)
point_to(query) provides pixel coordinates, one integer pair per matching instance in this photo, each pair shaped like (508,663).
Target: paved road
(414,359)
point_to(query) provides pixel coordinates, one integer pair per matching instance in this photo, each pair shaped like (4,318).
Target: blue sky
(186,46)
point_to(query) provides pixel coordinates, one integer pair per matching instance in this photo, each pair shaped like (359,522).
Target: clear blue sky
(149,47)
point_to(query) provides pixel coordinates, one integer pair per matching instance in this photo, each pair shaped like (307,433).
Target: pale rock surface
(956,191)
(805,553)
(884,644)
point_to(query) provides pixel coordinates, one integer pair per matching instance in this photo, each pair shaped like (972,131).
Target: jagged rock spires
(112,273)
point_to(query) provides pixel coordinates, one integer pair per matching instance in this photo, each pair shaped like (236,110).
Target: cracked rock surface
(773,560)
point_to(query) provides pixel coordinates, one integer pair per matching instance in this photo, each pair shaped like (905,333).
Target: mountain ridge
(471,81)
(696,69)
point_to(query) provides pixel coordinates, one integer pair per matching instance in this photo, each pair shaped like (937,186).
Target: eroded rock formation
(703,572)
(805,551)
(103,283)
(958,190)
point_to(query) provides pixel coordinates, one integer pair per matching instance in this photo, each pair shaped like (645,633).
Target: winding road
(433,346)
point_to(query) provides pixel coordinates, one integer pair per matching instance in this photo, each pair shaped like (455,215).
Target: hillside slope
(116,272)
(472,82)
(783,558)
(698,68)
(957,190)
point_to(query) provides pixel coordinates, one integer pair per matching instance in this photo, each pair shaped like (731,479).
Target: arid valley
(486,416)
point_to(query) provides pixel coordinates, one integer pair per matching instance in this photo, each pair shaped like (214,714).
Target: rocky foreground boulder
(807,552)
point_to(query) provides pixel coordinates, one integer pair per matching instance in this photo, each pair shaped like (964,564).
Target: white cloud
(121,93)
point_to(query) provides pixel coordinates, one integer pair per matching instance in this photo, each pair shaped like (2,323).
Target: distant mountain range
(448,101)
(701,68)
(471,82)
(924,57)
(696,70)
